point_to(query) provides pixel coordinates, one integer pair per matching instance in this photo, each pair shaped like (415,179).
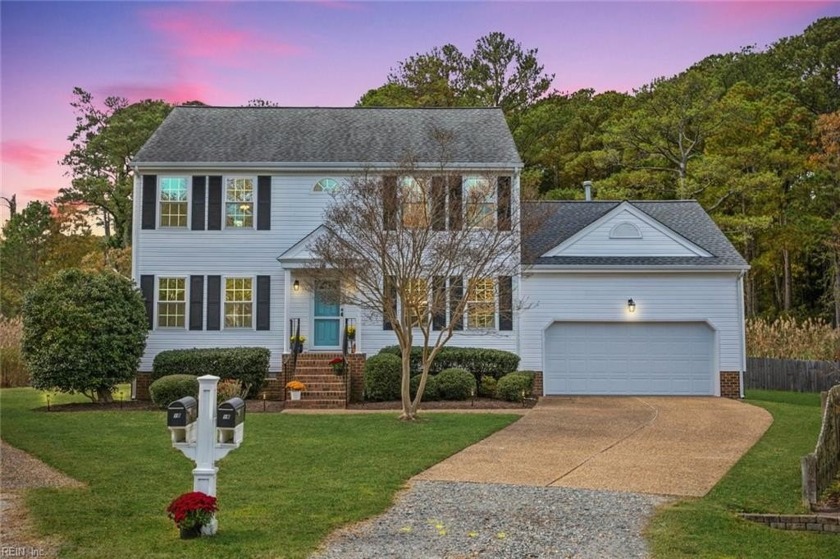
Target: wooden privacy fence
(791,374)
(820,467)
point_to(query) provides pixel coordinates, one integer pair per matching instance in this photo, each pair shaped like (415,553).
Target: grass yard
(294,480)
(765,480)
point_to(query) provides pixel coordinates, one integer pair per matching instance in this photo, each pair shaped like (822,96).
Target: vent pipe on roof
(587,187)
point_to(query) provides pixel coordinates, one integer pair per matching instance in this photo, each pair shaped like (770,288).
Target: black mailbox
(181,413)
(230,413)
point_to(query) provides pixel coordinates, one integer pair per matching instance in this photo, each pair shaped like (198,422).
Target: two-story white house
(226,201)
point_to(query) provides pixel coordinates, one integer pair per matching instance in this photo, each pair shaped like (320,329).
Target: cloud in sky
(31,157)
(752,12)
(195,32)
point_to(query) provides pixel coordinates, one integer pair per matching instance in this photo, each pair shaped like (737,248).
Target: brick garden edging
(809,522)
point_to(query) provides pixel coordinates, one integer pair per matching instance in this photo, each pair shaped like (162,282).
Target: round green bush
(430,393)
(455,384)
(166,390)
(83,332)
(511,386)
(487,388)
(383,373)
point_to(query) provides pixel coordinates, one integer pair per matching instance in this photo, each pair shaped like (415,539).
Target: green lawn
(294,480)
(765,480)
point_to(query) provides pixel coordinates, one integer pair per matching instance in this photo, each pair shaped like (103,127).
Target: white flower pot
(295,394)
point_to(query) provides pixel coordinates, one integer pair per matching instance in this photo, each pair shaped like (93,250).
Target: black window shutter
(264,204)
(438,203)
(456,211)
(214,204)
(214,302)
(263,302)
(389,202)
(456,293)
(147,288)
(196,302)
(149,219)
(390,290)
(439,303)
(199,189)
(505,303)
(503,203)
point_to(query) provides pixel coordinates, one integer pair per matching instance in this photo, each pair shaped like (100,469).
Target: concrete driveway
(661,445)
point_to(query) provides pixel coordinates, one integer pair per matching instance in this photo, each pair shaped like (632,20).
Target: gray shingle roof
(562,219)
(330,135)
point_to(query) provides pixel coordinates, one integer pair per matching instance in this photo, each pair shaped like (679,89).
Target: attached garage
(621,358)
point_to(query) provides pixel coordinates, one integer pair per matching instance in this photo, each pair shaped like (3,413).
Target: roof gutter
(549,268)
(314,166)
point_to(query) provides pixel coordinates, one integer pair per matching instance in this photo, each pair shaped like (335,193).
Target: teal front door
(326,315)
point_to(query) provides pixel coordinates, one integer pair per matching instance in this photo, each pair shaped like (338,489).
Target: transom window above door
(239,202)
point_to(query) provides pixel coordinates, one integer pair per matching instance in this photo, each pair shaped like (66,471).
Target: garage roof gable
(630,233)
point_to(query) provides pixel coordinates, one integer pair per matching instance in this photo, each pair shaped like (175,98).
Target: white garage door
(629,358)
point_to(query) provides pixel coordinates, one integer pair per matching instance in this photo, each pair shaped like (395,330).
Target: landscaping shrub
(230,388)
(13,372)
(248,365)
(166,390)
(487,388)
(786,338)
(383,374)
(478,361)
(455,384)
(83,332)
(511,386)
(430,393)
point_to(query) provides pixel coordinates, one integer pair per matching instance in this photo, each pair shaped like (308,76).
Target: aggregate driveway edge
(678,446)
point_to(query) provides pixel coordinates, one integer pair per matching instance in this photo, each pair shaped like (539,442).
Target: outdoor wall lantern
(631,305)
(296,285)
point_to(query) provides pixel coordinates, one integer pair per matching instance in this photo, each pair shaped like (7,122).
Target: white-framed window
(326,185)
(479,203)
(173,201)
(239,302)
(239,202)
(172,302)
(415,203)
(417,299)
(481,304)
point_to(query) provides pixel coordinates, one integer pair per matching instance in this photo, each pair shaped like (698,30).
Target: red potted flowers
(191,511)
(337,365)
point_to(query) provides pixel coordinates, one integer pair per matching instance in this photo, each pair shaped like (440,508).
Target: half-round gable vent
(625,230)
(326,185)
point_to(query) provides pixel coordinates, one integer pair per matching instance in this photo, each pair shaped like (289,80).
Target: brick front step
(320,404)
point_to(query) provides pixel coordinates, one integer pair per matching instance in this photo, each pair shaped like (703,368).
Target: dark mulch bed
(272,406)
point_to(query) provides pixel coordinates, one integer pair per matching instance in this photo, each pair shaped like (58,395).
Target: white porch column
(287,286)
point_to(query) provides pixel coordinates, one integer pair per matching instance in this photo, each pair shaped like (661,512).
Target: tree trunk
(786,272)
(104,396)
(408,413)
(835,257)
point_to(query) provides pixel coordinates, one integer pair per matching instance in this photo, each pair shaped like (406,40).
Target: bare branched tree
(430,251)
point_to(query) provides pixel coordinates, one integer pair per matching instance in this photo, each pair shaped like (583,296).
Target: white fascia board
(549,269)
(316,166)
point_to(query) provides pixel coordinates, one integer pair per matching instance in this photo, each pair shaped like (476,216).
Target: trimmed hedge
(383,374)
(430,393)
(166,390)
(487,388)
(248,365)
(455,384)
(511,386)
(479,361)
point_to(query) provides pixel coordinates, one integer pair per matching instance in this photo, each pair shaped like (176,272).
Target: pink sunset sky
(325,53)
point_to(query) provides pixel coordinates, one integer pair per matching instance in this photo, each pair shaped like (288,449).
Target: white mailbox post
(195,434)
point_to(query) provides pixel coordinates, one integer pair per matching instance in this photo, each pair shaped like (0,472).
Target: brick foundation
(730,384)
(537,389)
(142,380)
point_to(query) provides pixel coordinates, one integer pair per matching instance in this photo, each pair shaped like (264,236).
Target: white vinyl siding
(659,297)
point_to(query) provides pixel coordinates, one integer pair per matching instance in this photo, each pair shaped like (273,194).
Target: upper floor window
(326,185)
(479,202)
(417,299)
(481,304)
(239,302)
(239,202)
(415,203)
(173,201)
(172,302)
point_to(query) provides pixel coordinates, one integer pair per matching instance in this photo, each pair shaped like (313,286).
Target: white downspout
(742,327)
